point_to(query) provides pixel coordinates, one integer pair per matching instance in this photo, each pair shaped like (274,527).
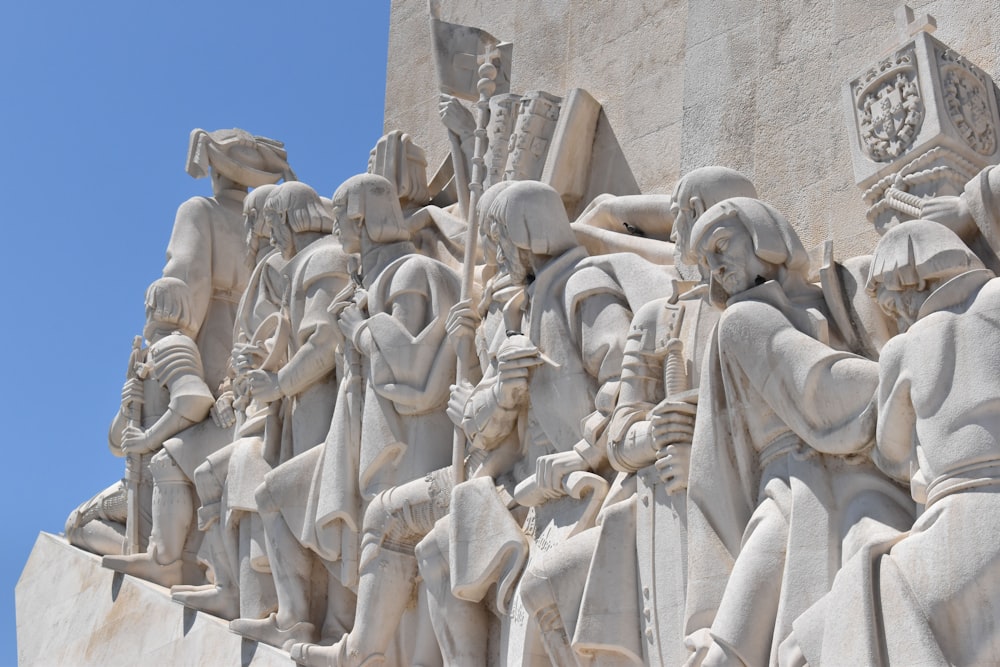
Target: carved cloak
(206,251)
(928,595)
(769,514)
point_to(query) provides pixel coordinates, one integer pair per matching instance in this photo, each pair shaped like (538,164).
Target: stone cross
(908,25)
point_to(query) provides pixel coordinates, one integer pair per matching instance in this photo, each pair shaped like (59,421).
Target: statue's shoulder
(657,314)
(419,269)
(323,258)
(174,356)
(175,343)
(737,315)
(197,207)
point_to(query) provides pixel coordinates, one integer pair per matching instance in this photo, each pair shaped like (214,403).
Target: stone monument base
(71,611)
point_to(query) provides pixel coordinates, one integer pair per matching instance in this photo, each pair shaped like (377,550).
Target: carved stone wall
(750,85)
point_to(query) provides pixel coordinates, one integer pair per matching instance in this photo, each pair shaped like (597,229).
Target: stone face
(71,611)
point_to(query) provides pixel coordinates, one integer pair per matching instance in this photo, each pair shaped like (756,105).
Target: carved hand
(132,394)
(241,390)
(344,299)
(462,322)
(350,321)
(455,116)
(222,412)
(246,358)
(516,357)
(673,423)
(137,441)
(673,431)
(952,212)
(674,463)
(264,386)
(551,470)
(460,394)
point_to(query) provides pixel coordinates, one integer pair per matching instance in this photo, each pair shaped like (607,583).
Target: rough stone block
(71,611)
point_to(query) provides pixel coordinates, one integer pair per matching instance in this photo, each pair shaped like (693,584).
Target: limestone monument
(659,333)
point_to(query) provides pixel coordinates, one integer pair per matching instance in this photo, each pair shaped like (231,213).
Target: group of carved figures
(734,458)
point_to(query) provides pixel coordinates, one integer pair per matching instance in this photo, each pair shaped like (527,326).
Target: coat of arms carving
(965,98)
(889,108)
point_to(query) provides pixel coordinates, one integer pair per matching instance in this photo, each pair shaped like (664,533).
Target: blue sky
(96,104)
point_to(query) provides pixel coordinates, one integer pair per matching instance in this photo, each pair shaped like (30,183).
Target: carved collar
(805,310)
(380,256)
(234,194)
(955,294)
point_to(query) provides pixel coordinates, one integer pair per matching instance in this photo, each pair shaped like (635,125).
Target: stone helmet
(916,252)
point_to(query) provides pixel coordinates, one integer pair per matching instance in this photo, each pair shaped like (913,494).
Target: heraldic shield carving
(965,97)
(888,107)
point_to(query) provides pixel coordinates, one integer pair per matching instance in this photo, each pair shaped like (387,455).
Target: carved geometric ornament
(889,108)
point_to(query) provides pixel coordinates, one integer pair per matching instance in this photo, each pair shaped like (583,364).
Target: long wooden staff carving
(133,462)
(485,86)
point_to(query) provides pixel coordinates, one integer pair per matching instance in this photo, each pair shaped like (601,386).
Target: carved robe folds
(309,379)
(928,596)
(206,252)
(776,496)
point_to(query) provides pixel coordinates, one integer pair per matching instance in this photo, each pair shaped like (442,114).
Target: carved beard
(287,245)
(514,261)
(253,247)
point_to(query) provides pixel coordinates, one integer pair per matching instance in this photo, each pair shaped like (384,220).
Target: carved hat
(371,201)
(301,207)
(914,252)
(774,239)
(404,163)
(532,215)
(238,155)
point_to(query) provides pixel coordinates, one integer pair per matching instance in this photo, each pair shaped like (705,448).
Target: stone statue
(919,596)
(649,439)
(434,231)
(404,164)
(177,442)
(781,488)
(206,244)
(537,250)
(303,395)
(167,385)
(396,323)
(221,514)
(403,516)
(675,438)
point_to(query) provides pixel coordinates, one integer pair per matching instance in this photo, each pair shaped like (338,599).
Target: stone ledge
(71,611)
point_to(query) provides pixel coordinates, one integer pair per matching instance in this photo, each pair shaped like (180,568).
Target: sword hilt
(675,379)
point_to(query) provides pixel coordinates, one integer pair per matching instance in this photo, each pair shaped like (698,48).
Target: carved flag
(458,50)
